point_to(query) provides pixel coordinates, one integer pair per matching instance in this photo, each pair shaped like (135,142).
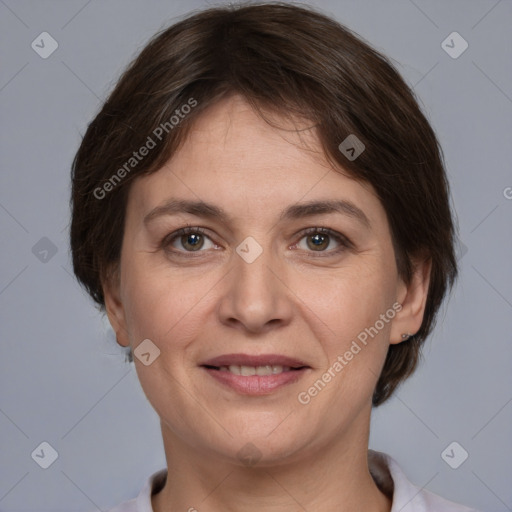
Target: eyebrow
(296,211)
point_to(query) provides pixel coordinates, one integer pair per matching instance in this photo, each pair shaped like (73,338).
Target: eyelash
(341,239)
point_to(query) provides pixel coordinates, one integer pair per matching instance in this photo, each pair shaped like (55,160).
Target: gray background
(63,379)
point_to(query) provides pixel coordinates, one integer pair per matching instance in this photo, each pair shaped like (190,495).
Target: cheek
(351,298)
(345,314)
(161,305)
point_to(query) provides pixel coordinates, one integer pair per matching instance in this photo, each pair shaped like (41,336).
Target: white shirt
(406,497)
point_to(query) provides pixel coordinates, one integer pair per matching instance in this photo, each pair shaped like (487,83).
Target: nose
(256,297)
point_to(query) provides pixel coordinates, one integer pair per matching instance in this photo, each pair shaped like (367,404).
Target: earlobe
(115,309)
(413,298)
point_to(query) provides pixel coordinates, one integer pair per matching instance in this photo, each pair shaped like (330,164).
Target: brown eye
(190,239)
(320,239)
(193,240)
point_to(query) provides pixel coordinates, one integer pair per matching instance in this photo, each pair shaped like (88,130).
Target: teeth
(247,371)
(264,370)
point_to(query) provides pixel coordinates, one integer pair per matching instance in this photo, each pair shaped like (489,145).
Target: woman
(262,210)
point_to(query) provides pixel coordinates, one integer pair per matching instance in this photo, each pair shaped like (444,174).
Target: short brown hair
(296,62)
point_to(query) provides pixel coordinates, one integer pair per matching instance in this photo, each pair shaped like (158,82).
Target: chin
(260,449)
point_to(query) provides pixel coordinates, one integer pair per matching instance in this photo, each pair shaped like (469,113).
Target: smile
(246,371)
(255,380)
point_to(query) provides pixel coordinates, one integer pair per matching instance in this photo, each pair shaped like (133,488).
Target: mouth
(247,371)
(255,375)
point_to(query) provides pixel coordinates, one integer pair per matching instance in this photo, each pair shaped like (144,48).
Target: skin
(294,299)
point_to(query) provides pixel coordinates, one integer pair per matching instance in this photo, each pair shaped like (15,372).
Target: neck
(329,477)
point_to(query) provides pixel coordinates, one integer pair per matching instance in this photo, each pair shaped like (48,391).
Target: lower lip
(256,384)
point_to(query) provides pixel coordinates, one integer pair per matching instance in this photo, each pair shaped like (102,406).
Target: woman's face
(256,283)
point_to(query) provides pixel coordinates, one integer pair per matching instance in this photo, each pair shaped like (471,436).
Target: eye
(319,238)
(191,239)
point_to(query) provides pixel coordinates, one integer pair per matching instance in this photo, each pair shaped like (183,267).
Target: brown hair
(293,61)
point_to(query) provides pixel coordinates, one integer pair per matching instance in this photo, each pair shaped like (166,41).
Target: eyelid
(344,242)
(171,237)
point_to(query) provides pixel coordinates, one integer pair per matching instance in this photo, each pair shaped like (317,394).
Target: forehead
(235,158)
(232,120)
(231,137)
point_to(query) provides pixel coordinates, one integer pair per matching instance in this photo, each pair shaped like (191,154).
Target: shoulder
(142,503)
(406,497)
(430,501)
(127,506)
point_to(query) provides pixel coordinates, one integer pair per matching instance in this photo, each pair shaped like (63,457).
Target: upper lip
(253,360)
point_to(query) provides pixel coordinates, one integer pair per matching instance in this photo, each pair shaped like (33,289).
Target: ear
(413,298)
(114,307)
